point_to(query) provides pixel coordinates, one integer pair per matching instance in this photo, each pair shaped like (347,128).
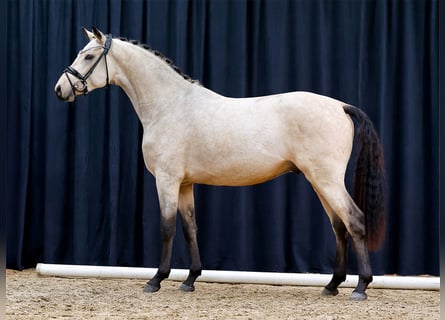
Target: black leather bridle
(81,85)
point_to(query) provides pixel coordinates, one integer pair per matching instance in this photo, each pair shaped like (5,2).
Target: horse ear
(87,34)
(99,35)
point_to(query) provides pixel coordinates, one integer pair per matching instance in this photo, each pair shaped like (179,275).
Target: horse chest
(151,153)
(159,150)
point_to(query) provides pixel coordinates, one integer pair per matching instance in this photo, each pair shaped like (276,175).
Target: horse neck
(150,83)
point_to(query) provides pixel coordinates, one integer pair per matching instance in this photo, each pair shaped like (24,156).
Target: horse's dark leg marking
(168,195)
(365,275)
(339,275)
(168,230)
(187,210)
(357,230)
(364,267)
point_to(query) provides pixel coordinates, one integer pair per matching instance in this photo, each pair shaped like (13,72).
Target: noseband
(81,85)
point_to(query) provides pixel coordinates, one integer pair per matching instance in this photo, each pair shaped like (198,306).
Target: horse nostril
(59,94)
(58,91)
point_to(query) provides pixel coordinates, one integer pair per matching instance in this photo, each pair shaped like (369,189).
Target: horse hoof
(327,292)
(150,288)
(357,296)
(186,288)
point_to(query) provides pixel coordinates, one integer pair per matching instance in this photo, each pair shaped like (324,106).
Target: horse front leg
(168,200)
(187,211)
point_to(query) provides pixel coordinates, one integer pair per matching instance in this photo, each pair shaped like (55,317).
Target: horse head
(89,70)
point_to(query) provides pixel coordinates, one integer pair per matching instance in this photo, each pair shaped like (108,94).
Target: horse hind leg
(357,230)
(341,236)
(187,211)
(346,219)
(339,275)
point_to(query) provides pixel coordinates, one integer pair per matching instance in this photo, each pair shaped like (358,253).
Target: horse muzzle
(65,96)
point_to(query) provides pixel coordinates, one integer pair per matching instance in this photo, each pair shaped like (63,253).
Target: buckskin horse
(194,135)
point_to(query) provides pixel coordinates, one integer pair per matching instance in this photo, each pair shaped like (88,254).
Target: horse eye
(89,57)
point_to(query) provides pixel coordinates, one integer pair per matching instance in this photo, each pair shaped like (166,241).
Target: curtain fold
(78,191)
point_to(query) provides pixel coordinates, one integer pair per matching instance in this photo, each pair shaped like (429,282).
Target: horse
(192,135)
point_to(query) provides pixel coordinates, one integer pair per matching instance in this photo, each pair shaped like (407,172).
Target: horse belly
(238,172)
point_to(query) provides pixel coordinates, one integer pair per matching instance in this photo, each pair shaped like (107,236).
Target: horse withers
(194,135)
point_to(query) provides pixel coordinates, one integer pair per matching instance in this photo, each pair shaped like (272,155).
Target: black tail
(369,178)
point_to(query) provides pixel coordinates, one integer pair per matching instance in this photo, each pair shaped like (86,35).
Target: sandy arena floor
(29,296)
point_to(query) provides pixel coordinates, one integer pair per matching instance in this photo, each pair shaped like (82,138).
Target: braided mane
(160,55)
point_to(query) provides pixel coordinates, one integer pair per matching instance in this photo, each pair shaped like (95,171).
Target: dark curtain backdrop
(78,192)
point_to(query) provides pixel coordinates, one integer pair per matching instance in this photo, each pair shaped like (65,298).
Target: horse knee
(168,229)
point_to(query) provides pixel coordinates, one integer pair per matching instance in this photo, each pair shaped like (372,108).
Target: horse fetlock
(338,278)
(366,279)
(155,283)
(195,272)
(331,287)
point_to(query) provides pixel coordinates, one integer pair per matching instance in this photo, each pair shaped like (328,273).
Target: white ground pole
(271,278)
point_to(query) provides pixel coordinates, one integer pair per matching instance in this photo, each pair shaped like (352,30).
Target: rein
(81,85)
